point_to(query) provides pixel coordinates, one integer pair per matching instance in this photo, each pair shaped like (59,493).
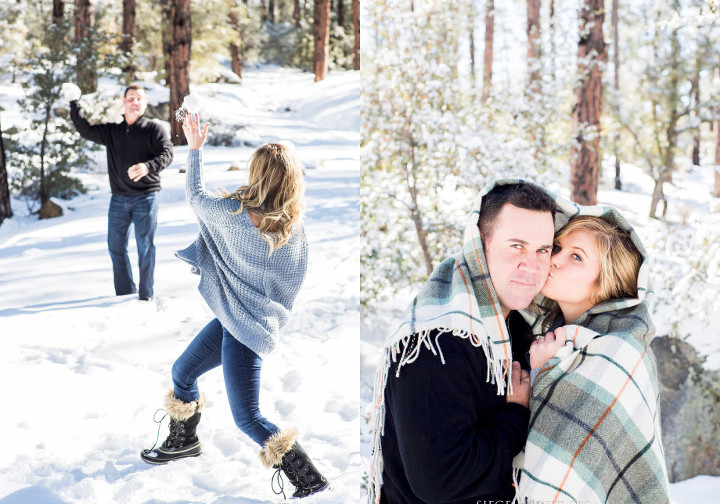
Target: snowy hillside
(85,370)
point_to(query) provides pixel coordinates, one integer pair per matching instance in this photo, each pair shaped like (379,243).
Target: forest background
(48,42)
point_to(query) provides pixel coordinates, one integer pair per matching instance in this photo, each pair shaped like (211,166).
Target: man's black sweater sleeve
(456,437)
(98,133)
(162,147)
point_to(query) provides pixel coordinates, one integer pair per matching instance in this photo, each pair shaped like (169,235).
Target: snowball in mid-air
(192,104)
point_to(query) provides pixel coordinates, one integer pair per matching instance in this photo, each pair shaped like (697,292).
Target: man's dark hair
(135,86)
(520,195)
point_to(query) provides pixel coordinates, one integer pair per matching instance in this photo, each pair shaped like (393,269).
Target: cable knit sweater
(250,293)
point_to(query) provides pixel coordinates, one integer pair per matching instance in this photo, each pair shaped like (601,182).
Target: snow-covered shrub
(685,273)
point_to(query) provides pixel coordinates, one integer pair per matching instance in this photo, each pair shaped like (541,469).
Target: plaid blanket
(594,432)
(458,298)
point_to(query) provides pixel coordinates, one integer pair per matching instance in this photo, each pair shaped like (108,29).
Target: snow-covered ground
(84,370)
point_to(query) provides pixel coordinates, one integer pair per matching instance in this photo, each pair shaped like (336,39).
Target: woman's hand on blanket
(191,127)
(545,347)
(520,386)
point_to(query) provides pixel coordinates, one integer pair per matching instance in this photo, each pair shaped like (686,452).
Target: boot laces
(159,422)
(280,483)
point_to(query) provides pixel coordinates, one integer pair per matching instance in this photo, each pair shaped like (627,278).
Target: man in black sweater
(448,436)
(138,149)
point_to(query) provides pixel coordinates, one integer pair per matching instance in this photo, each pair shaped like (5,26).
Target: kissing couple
(522,369)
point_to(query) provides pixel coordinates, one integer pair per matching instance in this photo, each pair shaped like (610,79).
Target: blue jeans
(141,210)
(214,346)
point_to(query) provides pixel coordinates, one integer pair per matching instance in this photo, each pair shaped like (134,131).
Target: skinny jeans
(214,346)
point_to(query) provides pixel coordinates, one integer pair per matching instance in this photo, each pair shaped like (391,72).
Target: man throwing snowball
(138,149)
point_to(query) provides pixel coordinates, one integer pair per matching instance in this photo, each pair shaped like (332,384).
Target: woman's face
(574,271)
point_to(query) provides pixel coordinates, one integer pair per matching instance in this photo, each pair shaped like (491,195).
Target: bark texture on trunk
(5,209)
(533,49)
(58,10)
(86,72)
(717,160)
(321,33)
(488,54)
(471,40)
(179,76)
(356,27)
(616,86)
(235,55)
(296,12)
(128,35)
(585,154)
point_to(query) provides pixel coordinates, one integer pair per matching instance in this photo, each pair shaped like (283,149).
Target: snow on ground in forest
(84,370)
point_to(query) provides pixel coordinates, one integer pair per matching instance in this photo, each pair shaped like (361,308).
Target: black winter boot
(283,452)
(182,441)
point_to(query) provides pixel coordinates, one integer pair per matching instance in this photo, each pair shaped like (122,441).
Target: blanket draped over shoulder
(595,427)
(594,433)
(459,299)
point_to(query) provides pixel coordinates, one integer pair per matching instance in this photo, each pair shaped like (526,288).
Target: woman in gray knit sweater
(251,255)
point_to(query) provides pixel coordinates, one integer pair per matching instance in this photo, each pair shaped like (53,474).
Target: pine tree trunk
(128,36)
(5,209)
(128,25)
(356,27)
(471,40)
(585,154)
(58,10)
(551,29)
(321,33)
(44,192)
(179,77)
(695,86)
(717,160)
(296,12)
(271,11)
(166,10)
(84,21)
(341,13)
(616,86)
(416,214)
(235,56)
(533,49)
(488,54)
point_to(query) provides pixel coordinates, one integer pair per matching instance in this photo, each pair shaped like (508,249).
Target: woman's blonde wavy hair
(275,192)
(620,263)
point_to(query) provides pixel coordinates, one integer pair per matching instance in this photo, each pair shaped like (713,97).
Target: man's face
(518,255)
(135,103)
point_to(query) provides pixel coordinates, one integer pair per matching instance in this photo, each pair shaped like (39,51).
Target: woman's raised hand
(545,347)
(191,127)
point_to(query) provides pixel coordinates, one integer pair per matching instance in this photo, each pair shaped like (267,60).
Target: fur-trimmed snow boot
(182,441)
(282,452)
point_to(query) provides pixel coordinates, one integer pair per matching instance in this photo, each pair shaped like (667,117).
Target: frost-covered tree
(43,154)
(658,111)
(428,143)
